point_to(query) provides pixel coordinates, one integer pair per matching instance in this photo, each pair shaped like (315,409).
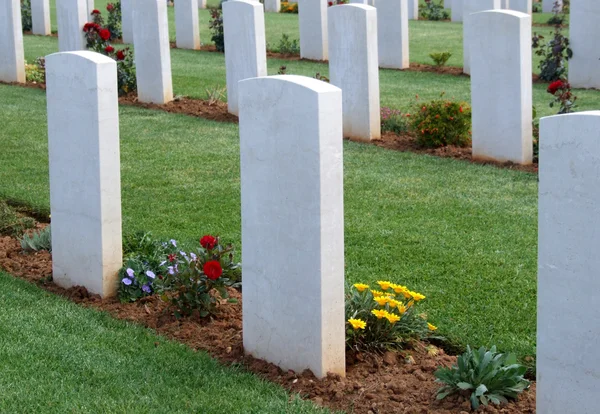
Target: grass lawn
(58,357)
(462,234)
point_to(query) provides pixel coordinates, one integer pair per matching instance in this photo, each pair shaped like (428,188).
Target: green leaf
(464,386)
(482,389)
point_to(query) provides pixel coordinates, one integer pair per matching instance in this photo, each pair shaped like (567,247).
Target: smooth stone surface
(584,32)
(186,24)
(568,325)
(353,67)
(470,7)
(12,60)
(413,9)
(523,6)
(312,18)
(505,4)
(392,33)
(40,17)
(501,86)
(202,4)
(293,203)
(127,20)
(457,10)
(90,8)
(272,6)
(245,45)
(358,2)
(71,16)
(85,177)
(152,51)
(548,6)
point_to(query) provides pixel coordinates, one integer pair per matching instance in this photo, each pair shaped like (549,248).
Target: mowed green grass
(425,36)
(58,357)
(464,235)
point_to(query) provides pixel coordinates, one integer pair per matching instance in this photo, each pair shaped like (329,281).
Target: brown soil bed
(401,382)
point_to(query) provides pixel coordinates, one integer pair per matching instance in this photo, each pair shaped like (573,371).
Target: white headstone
(127,20)
(505,4)
(71,16)
(457,10)
(353,67)
(501,86)
(568,315)
(152,51)
(312,16)
(85,177)
(202,4)
(292,201)
(245,45)
(358,2)
(12,60)
(186,24)
(413,9)
(584,27)
(470,7)
(523,6)
(40,17)
(272,6)
(548,5)
(90,8)
(392,33)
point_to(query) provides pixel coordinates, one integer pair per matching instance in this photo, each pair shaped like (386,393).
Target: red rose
(109,49)
(172,258)
(208,242)
(213,270)
(460,109)
(120,55)
(330,3)
(95,11)
(89,26)
(555,86)
(109,7)
(104,34)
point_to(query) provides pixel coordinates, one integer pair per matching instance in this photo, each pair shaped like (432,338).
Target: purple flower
(193,256)
(163,263)
(150,274)
(126,281)
(130,272)
(146,289)
(173,242)
(171,270)
(183,254)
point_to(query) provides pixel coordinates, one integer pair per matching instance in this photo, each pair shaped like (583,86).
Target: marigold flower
(431,327)
(381,300)
(212,269)
(361,287)
(376,293)
(357,323)
(379,313)
(384,285)
(392,318)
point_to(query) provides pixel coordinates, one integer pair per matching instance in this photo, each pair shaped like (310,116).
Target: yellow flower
(361,287)
(392,318)
(410,304)
(406,293)
(381,300)
(357,323)
(379,313)
(384,285)
(394,303)
(431,327)
(417,296)
(401,308)
(376,293)
(399,288)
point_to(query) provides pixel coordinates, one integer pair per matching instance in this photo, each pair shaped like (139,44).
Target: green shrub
(286,7)
(216,28)
(26,15)
(555,52)
(378,320)
(488,375)
(288,46)
(38,240)
(36,72)
(11,223)
(434,11)
(113,23)
(442,122)
(440,58)
(392,120)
